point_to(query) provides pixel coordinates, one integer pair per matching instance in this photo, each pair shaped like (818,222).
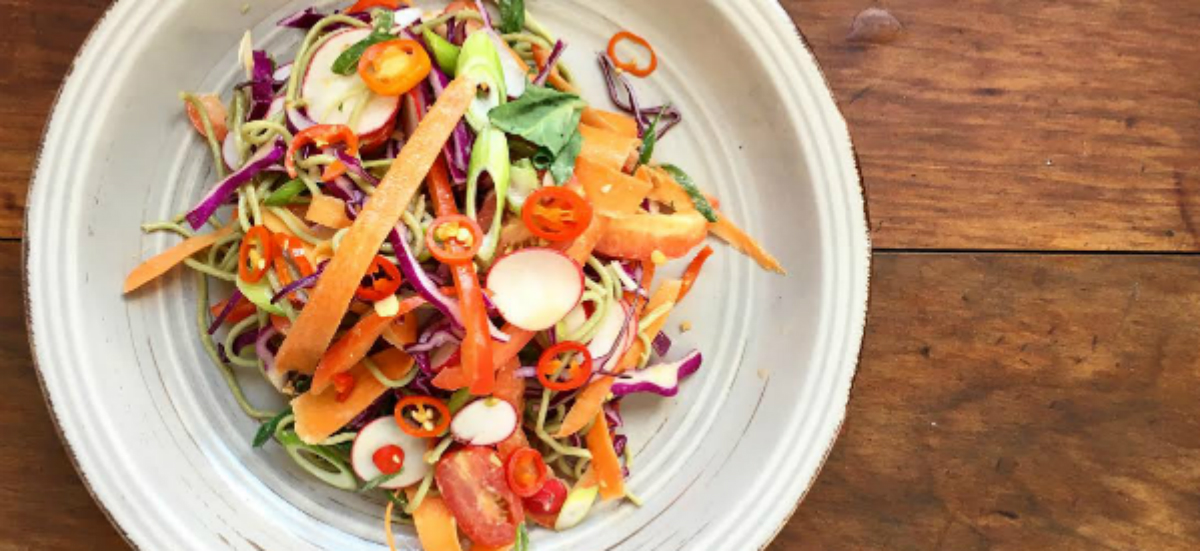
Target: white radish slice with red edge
(333,99)
(385,432)
(404,18)
(609,331)
(535,288)
(484,422)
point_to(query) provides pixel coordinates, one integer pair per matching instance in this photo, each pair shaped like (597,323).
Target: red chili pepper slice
(250,268)
(389,459)
(526,472)
(291,248)
(693,271)
(422,416)
(322,135)
(629,66)
(364,5)
(344,384)
(579,370)
(454,239)
(383,279)
(556,214)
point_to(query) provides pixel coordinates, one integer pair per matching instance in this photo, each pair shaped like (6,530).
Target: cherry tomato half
(579,370)
(526,472)
(422,416)
(549,500)
(389,459)
(382,280)
(394,67)
(556,214)
(471,481)
(255,255)
(454,239)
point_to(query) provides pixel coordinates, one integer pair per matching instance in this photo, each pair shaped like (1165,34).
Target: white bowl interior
(163,444)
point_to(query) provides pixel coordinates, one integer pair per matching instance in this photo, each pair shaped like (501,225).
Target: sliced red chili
(578,367)
(344,384)
(256,254)
(363,5)
(631,67)
(389,459)
(422,416)
(322,135)
(526,472)
(290,248)
(454,239)
(382,280)
(556,214)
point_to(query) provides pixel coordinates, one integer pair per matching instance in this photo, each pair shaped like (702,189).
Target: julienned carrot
(319,320)
(319,416)
(608,189)
(693,271)
(608,148)
(590,401)
(743,243)
(163,262)
(541,56)
(638,235)
(476,347)
(453,378)
(355,344)
(617,123)
(436,527)
(329,212)
(511,389)
(605,461)
(394,333)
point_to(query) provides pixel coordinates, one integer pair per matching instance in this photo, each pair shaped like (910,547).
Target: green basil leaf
(563,166)
(512,15)
(267,429)
(650,139)
(548,118)
(689,186)
(283,196)
(347,63)
(375,482)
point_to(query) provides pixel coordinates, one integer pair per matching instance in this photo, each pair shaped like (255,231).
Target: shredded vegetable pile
(446,259)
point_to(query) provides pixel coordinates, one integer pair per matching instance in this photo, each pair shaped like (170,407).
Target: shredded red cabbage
(261,86)
(263,158)
(262,347)
(551,61)
(234,299)
(355,166)
(302,283)
(458,149)
(625,97)
(661,344)
(309,17)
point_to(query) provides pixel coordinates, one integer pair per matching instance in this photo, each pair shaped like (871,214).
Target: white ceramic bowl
(165,449)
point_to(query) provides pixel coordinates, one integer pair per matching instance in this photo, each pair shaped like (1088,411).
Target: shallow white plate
(166,451)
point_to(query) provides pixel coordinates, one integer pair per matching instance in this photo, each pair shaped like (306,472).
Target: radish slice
(535,288)
(333,98)
(610,330)
(404,18)
(514,73)
(484,422)
(385,432)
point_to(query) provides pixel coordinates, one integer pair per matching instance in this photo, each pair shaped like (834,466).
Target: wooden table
(1030,376)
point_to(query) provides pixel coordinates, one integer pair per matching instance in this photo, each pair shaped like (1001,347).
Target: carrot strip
(318,416)
(319,320)
(743,243)
(604,460)
(163,262)
(607,148)
(355,344)
(617,123)
(511,389)
(436,527)
(610,190)
(693,271)
(329,212)
(541,56)
(593,396)
(637,236)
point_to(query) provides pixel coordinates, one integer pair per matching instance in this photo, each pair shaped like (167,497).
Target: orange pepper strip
(590,401)
(319,320)
(604,460)
(629,66)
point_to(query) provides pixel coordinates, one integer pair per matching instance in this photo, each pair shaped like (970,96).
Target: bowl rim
(839,123)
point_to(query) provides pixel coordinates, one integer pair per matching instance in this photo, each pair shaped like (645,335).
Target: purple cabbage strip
(245,339)
(354,165)
(263,158)
(551,61)
(309,17)
(625,97)
(452,33)
(229,306)
(261,85)
(384,405)
(458,149)
(413,273)
(662,379)
(302,283)
(661,344)
(612,414)
(262,346)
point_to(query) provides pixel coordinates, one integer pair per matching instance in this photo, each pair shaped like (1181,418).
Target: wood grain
(1019,402)
(1022,124)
